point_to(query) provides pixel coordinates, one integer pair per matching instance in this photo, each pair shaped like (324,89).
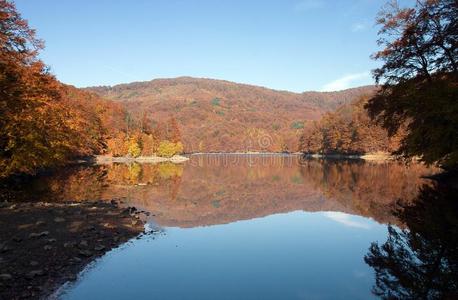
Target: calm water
(269,227)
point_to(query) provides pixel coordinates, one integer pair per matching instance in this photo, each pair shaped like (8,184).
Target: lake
(267,227)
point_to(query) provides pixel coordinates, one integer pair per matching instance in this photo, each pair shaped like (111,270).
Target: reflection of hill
(368,189)
(216,189)
(222,189)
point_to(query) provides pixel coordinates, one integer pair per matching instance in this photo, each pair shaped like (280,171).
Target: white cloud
(346,82)
(305,5)
(345,219)
(357,27)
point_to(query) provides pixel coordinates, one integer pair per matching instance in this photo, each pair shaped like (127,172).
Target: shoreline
(105,159)
(376,156)
(46,245)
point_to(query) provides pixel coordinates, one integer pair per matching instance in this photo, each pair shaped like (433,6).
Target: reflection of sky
(296,255)
(348,220)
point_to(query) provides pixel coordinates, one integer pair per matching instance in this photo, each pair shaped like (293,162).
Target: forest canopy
(349,130)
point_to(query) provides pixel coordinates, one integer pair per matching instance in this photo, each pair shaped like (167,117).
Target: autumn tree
(348,130)
(173,131)
(419,79)
(42,123)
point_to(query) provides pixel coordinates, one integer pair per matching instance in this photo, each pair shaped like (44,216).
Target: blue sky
(294,45)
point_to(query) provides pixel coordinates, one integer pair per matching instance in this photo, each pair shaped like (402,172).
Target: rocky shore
(44,245)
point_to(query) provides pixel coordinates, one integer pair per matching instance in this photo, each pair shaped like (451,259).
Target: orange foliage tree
(349,130)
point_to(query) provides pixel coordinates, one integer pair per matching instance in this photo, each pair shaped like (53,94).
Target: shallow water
(265,227)
(296,255)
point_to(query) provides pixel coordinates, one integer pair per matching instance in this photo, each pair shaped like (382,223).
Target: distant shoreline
(106,159)
(377,156)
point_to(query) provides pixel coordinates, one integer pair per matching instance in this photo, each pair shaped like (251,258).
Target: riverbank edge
(45,245)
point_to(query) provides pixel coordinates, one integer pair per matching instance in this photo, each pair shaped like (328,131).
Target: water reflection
(217,189)
(277,196)
(420,261)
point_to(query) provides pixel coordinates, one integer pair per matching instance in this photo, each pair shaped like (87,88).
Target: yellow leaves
(134,148)
(169,149)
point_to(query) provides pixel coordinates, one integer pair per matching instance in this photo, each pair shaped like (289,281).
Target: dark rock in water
(59,220)
(52,240)
(17,239)
(47,247)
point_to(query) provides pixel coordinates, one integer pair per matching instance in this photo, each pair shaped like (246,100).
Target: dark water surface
(269,227)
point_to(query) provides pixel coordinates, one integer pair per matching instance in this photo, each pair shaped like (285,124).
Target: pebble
(6,276)
(59,220)
(71,277)
(77,259)
(33,263)
(83,244)
(69,244)
(40,234)
(34,273)
(6,248)
(99,248)
(86,253)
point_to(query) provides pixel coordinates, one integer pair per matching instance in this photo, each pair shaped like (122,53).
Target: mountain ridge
(220,115)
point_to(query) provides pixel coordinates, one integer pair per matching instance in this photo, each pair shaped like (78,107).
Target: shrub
(297,125)
(169,149)
(134,149)
(216,102)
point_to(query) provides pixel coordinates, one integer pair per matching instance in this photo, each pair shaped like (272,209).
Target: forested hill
(217,115)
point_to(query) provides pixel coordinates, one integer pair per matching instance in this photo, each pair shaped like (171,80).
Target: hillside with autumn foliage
(348,130)
(222,116)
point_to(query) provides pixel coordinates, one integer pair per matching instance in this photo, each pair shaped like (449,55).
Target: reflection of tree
(420,262)
(135,172)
